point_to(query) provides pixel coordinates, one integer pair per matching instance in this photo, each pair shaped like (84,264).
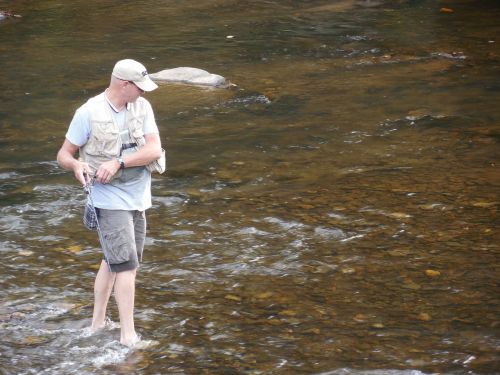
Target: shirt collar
(112,105)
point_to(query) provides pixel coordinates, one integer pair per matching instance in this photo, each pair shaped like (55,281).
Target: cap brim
(146,84)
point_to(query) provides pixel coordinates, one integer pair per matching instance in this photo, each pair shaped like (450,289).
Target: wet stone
(399,252)
(432,273)
(424,317)
(410,284)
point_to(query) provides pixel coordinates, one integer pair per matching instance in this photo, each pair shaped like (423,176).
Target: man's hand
(82,172)
(107,170)
(66,159)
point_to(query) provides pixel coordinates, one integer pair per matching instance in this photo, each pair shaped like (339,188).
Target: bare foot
(130,341)
(94,328)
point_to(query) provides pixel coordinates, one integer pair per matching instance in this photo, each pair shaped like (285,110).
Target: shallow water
(335,213)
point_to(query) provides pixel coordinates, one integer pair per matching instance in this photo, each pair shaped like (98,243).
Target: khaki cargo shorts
(123,233)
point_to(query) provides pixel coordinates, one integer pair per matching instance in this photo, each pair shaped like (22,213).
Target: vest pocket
(137,134)
(105,139)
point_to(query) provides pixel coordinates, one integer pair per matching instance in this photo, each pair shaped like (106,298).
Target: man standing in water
(117,138)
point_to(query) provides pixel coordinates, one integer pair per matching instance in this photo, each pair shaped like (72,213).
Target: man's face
(132,91)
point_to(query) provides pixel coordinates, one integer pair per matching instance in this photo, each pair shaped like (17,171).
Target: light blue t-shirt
(132,190)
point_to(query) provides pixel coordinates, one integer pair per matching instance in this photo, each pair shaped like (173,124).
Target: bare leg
(124,295)
(102,291)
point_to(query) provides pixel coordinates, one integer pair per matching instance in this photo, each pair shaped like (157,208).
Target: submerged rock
(6,14)
(190,76)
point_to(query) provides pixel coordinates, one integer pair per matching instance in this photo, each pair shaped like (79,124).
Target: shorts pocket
(117,247)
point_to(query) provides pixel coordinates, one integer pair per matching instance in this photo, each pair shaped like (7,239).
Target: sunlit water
(335,213)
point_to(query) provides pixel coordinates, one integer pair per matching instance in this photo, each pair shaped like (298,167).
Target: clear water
(335,213)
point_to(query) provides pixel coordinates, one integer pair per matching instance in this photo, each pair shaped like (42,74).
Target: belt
(128,145)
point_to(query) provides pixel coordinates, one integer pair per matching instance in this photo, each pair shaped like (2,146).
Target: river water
(334,213)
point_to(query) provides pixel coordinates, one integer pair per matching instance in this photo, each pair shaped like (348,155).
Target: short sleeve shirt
(121,194)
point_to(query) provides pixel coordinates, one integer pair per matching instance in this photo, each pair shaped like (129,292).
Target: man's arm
(146,154)
(66,159)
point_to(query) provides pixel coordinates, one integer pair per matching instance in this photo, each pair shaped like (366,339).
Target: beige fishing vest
(105,142)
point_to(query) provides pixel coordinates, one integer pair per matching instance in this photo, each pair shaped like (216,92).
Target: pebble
(360,318)
(265,295)
(74,249)
(409,284)
(399,215)
(348,270)
(485,204)
(26,253)
(232,297)
(424,317)
(399,252)
(432,273)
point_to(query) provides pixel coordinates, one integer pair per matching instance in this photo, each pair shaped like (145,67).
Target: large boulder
(190,76)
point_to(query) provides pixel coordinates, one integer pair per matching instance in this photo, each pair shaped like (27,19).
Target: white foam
(111,353)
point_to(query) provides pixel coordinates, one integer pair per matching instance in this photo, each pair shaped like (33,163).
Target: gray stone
(190,76)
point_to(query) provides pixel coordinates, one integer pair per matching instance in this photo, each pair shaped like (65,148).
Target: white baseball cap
(131,70)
